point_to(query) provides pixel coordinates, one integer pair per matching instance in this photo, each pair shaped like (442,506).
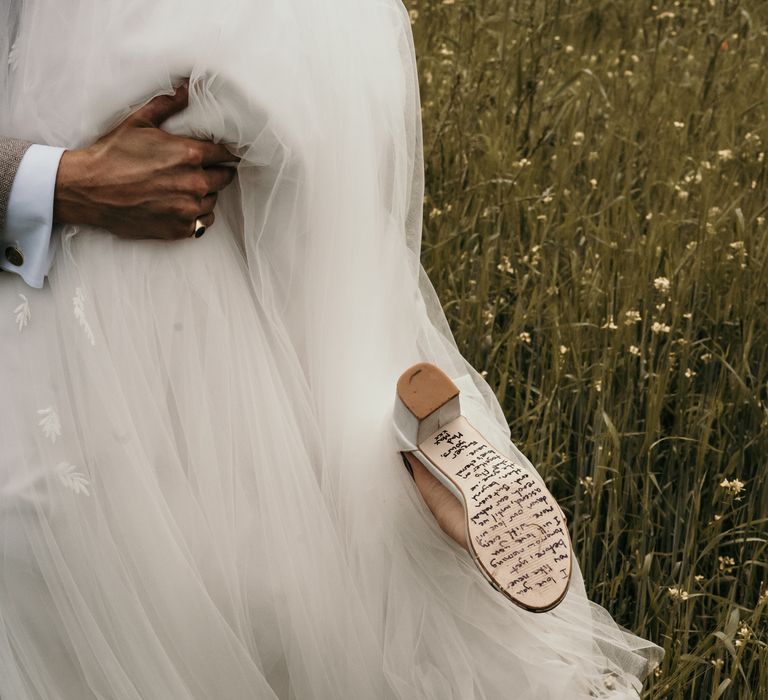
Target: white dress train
(200,495)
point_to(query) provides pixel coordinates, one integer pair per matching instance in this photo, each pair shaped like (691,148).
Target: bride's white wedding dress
(200,494)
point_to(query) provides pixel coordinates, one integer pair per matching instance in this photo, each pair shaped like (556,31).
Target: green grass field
(596,226)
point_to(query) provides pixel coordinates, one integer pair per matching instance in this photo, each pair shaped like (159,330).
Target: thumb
(160,108)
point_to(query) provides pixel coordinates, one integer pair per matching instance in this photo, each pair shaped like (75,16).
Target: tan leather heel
(516,531)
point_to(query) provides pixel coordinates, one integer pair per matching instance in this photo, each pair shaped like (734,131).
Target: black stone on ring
(199,228)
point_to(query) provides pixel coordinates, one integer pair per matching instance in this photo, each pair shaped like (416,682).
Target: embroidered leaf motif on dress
(74,480)
(13,55)
(78,302)
(22,313)
(50,423)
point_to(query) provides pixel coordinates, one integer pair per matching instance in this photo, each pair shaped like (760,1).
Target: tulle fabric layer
(200,492)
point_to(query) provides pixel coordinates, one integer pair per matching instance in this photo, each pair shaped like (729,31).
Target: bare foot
(447,509)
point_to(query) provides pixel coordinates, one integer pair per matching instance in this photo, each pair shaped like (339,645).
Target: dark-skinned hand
(139,181)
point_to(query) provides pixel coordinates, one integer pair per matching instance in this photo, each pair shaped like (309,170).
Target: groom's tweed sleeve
(11,151)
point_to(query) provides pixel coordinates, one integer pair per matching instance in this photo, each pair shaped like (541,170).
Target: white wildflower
(726,564)
(745,632)
(733,487)
(631,317)
(677,593)
(725,154)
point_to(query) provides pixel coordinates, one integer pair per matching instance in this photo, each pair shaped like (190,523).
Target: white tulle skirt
(200,494)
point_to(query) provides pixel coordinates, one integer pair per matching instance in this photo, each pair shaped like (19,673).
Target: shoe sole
(517,533)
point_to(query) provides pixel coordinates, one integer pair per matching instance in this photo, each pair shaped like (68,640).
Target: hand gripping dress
(200,493)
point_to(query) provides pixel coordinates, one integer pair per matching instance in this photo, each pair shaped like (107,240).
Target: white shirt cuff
(29,218)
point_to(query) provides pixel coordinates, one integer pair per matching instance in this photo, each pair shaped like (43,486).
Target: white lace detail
(22,313)
(50,423)
(74,480)
(78,302)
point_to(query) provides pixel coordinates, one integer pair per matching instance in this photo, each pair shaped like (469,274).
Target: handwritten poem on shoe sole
(517,529)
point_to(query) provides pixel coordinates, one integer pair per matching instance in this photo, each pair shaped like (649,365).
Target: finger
(182,231)
(218,178)
(160,108)
(206,220)
(216,153)
(199,153)
(207,203)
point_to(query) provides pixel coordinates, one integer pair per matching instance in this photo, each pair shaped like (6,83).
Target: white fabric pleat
(200,492)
